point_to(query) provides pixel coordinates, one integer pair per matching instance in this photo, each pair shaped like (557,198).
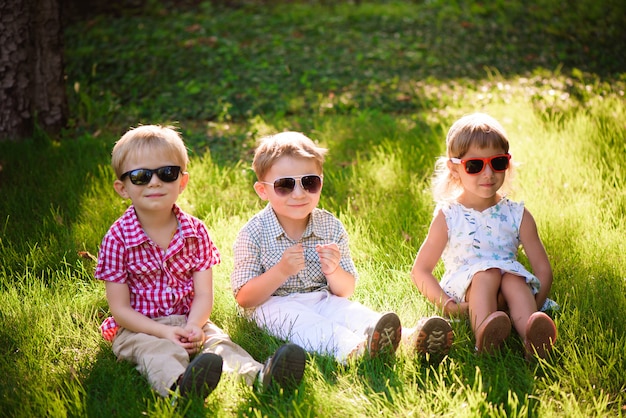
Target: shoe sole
(435,337)
(286,367)
(202,375)
(540,335)
(494,330)
(386,335)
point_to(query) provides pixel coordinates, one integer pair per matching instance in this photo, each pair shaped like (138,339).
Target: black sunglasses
(142,176)
(498,163)
(283,186)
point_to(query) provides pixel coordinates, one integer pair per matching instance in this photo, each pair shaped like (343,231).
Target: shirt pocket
(143,275)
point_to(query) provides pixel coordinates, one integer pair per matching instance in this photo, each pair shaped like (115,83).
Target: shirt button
(168,289)
(144,268)
(169,311)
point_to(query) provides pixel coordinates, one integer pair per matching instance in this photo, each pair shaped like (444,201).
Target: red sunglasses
(498,163)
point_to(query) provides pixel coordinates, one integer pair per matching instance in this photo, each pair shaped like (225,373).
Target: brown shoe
(434,336)
(492,332)
(540,335)
(385,335)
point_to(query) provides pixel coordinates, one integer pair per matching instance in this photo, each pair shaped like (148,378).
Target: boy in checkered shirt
(156,263)
(293,272)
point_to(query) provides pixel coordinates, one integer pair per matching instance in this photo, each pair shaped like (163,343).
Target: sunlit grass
(384,117)
(55,362)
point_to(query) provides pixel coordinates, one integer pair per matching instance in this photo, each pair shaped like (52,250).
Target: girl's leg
(536,329)
(491,327)
(482,295)
(520,301)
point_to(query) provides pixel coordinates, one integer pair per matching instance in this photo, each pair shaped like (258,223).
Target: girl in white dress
(477,231)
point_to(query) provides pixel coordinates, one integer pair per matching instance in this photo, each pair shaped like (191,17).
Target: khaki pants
(162,361)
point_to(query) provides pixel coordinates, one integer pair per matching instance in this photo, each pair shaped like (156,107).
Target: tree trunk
(32,87)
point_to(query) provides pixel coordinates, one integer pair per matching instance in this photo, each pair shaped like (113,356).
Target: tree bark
(32,86)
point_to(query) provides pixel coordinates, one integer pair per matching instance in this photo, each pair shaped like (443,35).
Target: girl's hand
(330,256)
(453,308)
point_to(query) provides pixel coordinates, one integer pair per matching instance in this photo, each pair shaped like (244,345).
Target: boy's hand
(179,335)
(329,257)
(194,340)
(292,260)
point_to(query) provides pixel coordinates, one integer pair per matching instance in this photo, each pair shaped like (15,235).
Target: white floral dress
(478,241)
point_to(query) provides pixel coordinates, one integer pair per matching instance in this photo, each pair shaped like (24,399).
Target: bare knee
(488,281)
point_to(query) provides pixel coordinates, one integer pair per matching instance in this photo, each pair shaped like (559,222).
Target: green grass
(384,124)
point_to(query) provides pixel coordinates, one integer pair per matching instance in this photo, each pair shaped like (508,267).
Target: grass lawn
(378,83)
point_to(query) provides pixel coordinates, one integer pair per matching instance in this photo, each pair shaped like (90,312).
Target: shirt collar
(313,228)
(131,222)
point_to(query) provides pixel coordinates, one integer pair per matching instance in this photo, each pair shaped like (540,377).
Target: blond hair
(147,139)
(285,144)
(479,130)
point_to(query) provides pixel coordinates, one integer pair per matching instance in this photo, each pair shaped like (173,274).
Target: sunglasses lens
(474,166)
(500,163)
(284,186)
(168,173)
(140,176)
(311,184)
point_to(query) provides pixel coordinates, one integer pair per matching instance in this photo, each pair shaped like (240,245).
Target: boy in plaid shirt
(156,262)
(293,272)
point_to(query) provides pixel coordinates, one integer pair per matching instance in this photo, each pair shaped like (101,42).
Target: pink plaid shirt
(160,282)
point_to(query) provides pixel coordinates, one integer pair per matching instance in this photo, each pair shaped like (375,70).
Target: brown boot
(433,336)
(385,335)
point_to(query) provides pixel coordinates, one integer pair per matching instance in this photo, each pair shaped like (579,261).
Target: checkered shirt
(160,282)
(262,241)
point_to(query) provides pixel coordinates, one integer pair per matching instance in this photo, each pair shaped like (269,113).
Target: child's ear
(184,180)
(259,188)
(120,188)
(452,168)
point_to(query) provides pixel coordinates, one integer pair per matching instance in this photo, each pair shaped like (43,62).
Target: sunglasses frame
(297,181)
(485,161)
(150,172)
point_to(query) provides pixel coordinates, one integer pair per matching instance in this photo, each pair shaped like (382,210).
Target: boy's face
(156,195)
(298,204)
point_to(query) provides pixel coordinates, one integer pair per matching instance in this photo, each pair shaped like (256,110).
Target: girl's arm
(537,256)
(427,258)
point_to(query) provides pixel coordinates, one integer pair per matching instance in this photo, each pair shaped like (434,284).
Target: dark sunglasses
(142,176)
(283,186)
(498,163)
